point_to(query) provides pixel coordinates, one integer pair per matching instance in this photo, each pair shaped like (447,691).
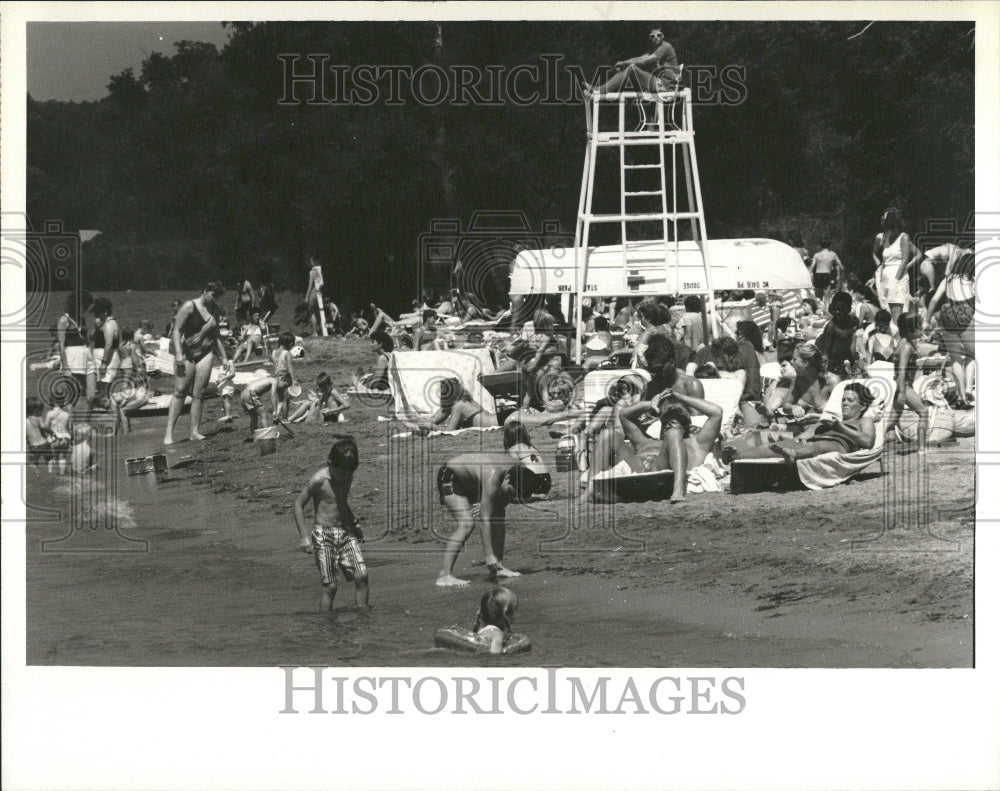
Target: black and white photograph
(454,360)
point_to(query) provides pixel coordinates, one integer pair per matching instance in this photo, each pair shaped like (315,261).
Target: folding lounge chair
(829,469)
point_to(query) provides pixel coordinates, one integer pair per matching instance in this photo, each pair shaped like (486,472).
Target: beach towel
(829,469)
(415,377)
(705,477)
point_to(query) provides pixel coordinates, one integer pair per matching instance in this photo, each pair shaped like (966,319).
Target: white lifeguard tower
(659,208)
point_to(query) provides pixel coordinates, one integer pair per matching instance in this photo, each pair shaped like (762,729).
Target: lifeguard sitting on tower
(655,70)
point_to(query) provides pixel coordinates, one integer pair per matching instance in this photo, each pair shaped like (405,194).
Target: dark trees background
(192,169)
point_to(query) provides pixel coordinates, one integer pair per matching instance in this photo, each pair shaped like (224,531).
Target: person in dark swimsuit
(852,433)
(196,335)
(953,309)
(476,488)
(837,339)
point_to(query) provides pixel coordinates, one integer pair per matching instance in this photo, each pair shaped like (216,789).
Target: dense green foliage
(192,168)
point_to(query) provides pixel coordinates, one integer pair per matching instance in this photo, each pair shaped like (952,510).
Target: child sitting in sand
(325,404)
(283,375)
(496,609)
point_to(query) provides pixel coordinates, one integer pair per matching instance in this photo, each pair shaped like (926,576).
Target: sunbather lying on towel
(850,434)
(458,410)
(681,446)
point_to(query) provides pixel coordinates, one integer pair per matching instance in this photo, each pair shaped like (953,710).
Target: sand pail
(266,439)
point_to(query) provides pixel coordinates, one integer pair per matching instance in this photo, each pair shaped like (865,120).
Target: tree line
(202,166)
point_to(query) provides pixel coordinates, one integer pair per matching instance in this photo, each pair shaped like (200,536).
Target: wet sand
(795,579)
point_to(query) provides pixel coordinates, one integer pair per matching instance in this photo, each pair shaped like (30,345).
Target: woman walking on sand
(196,335)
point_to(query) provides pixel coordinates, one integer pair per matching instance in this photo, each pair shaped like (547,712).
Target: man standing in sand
(335,538)
(477,488)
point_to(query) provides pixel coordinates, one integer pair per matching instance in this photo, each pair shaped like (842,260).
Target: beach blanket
(415,377)
(829,469)
(408,434)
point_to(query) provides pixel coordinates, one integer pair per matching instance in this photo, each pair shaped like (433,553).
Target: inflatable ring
(459,639)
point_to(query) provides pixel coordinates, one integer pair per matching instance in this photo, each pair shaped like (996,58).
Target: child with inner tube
(477,488)
(496,609)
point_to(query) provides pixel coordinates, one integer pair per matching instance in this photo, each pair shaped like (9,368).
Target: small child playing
(227,390)
(250,400)
(36,429)
(283,375)
(326,404)
(496,609)
(60,422)
(82,455)
(336,538)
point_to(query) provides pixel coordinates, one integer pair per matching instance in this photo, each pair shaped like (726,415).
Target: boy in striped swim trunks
(336,538)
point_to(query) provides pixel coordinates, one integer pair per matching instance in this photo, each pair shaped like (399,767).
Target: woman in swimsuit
(905,360)
(458,410)
(852,433)
(953,309)
(894,254)
(108,337)
(196,334)
(812,385)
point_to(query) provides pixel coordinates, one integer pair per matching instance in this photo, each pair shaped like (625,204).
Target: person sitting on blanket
(458,410)
(853,432)
(376,382)
(681,446)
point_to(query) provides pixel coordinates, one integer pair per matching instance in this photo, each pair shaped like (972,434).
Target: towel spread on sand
(408,434)
(414,378)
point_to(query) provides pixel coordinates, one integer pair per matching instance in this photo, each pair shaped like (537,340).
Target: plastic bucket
(266,439)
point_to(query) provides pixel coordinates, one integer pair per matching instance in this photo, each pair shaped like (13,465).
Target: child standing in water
(36,431)
(335,538)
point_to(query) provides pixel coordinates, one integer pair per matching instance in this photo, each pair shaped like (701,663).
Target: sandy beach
(772,579)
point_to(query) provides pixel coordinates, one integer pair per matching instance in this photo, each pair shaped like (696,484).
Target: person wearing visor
(654,70)
(476,488)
